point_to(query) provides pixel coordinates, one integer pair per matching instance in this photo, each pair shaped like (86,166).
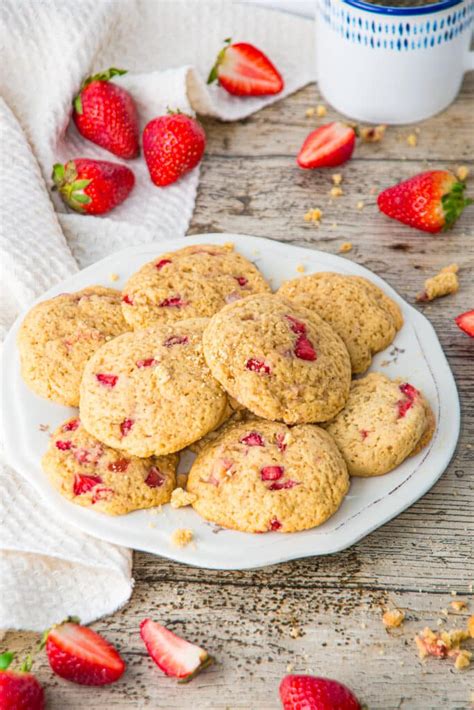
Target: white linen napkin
(47,569)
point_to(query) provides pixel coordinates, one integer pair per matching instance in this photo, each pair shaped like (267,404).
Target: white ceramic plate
(416,356)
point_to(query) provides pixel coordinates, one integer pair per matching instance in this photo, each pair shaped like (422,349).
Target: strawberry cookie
(383,422)
(91,474)
(58,336)
(193,282)
(260,475)
(360,312)
(281,361)
(150,392)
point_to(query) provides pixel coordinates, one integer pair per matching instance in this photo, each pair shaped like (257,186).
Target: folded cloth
(47,569)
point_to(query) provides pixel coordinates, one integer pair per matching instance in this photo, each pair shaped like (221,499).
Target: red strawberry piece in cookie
(252,439)
(274,524)
(162,263)
(255,365)
(72,425)
(63,445)
(102,493)
(271,473)
(304,349)
(155,479)
(280,442)
(126,299)
(84,484)
(146,362)
(405,404)
(125,426)
(173,302)
(119,466)
(241,280)
(107,380)
(283,485)
(296,325)
(176,340)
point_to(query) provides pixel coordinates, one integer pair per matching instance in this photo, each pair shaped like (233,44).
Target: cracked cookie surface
(358,310)
(59,335)
(91,474)
(258,476)
(193,282)
(279,360)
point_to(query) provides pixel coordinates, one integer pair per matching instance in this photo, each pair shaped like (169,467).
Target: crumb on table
(314,215)
(113,276)
(462,173)
(345,247)
(310,112)
(412,140)
(336,191)
(444,644)
(360,205)
(300,268)
(393,618)
(181,498)
(321,110)
(444,283)
(470,626)
(336,179)
(458,605)
(181,537)
(372,134)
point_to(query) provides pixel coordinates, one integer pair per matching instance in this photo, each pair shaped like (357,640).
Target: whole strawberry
(81,655)
(244,70)
(306,692)
(105,114)
(172,145)
(92,186)
(19,690)
(465,321)
(431,201)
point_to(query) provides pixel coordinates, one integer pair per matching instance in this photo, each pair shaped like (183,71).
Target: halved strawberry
(466,322)
(79,654)
(327,146)
(175,656)
(244,70)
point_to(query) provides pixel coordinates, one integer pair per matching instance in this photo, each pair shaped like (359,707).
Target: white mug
(392,64)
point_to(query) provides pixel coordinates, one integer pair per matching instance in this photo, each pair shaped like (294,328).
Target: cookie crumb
(360,205)
(314,215)
(412,140)
(393,618)
(470,626)
(372,134)
(463,660)
(152,525)
(295,632)
(336,178)
(181,537)
(462,173)
(310,112)
(321,110)
(336,191)
(345,247)
(300,268)
(458,605)
(443,284)
(289,668)
(114,277)
(181,498)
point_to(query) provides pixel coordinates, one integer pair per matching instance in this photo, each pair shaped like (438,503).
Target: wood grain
(321,615)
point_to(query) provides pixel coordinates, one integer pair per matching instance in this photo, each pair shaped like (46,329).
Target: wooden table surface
(320,615)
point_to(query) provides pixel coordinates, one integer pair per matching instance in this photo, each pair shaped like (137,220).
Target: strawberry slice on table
(19,690)
(243,70)
(105,114)
(175,656)
(465,321)
(81,655)
(305,692)
(92,186)
(431,201)
(173,145)
(327,146)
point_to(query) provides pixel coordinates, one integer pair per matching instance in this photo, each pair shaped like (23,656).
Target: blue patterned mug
(392,64)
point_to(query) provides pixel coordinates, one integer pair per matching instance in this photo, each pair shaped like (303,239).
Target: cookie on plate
(383,422)
(150,392)
(91,474)
(281,361)
(58,336)
(259,475)
(193,282)
(358,310)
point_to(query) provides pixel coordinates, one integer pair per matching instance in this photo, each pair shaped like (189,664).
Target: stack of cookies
(197,352)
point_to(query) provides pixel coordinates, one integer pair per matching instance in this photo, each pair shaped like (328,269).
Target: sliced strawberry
(431,201)
(19,690)
(466,322)
(244,70)
(175,656)
(327,146)
(304,349)
(255,365)
(305,692)
(271,473)
(84,484)
(81,655)
(252,439)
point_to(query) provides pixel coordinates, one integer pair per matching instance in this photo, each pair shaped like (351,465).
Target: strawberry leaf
(77,103)
(5,660)
(82,199)
(454,203)
(103,76)
(213,76)
(58,174)
(80,184)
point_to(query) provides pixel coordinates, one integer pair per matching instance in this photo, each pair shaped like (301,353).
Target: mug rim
(393,10)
